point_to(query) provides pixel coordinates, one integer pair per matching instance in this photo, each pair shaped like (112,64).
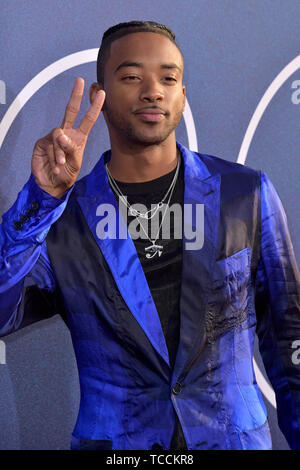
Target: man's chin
(149,141)
(146,140)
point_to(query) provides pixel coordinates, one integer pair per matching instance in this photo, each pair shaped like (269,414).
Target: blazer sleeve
(277,302)
(27,281)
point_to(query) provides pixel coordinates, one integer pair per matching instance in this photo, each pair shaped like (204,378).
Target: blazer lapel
(121,255)
(200,188)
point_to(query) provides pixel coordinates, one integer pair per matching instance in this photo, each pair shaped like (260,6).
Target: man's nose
(151,91)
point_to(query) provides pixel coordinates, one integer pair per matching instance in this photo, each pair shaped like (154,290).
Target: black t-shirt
(163,273)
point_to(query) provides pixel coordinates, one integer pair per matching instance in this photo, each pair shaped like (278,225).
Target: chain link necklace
(154,248)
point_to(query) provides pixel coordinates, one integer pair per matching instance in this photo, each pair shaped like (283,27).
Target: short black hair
(122,29)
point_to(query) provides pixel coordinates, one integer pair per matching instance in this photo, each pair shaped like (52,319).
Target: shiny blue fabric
(244,279)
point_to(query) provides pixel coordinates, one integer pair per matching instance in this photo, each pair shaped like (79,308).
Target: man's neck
(133,164)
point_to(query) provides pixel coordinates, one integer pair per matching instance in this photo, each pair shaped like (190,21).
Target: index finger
(92,114)
(73,105)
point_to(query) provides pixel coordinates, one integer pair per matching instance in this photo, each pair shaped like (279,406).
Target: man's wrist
(57,193)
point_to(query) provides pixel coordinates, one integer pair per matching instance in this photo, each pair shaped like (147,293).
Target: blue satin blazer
(243,280)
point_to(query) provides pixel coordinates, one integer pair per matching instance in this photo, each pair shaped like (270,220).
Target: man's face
(145,97)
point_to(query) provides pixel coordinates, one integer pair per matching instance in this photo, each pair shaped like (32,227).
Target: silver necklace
(153,249)
(135,213)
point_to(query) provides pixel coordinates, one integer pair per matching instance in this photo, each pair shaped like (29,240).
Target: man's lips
(150,114)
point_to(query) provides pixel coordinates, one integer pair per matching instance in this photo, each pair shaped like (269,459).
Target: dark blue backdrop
(233,51)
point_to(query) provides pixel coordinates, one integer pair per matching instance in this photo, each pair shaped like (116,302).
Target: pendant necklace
(153,249)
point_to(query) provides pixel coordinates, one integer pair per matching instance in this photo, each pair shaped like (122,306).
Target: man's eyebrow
(170,66)
(127,63)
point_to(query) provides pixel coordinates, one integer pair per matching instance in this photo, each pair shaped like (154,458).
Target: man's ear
(93,90)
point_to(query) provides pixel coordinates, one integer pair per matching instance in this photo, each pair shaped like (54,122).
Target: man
(162,328)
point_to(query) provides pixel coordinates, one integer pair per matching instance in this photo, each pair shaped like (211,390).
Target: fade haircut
(122,29)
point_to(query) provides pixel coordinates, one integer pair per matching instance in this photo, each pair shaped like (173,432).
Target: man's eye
(170,79)
(130,78)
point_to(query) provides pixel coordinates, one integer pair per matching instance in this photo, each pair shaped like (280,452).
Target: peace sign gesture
(57,157)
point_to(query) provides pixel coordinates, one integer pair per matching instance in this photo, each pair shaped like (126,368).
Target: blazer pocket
(256,439)
(230,299)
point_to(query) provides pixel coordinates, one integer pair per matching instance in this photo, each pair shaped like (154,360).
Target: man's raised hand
(57,157)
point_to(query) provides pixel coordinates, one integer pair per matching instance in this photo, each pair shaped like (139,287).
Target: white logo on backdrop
(90,55)
(278,81)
